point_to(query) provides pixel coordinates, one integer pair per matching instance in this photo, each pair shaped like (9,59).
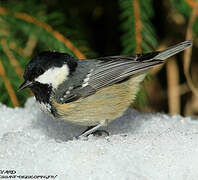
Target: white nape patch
(54,76)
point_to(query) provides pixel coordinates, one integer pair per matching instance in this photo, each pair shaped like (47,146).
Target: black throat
(42,92)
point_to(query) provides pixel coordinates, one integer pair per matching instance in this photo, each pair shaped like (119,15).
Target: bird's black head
(49,68)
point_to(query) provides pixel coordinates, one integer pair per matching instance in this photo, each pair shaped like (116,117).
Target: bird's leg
(92,130)
(88,128)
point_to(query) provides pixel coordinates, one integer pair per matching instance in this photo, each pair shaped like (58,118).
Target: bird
(90,92)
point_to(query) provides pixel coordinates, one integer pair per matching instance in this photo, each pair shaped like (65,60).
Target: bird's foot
(101,133)
(93,130)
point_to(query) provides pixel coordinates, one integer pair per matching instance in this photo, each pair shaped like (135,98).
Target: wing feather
(114,69)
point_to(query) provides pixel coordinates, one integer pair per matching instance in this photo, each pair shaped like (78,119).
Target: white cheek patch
(54,76)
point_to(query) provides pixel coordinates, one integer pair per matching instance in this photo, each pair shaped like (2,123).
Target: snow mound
(140,147)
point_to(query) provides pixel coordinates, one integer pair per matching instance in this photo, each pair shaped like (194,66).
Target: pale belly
(102,107)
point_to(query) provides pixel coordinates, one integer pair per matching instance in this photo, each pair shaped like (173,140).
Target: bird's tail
(172,50)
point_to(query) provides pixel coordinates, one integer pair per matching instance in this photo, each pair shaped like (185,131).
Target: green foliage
(128,38)
(148,31)
(128,25)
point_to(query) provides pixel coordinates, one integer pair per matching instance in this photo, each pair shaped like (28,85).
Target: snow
(141,146)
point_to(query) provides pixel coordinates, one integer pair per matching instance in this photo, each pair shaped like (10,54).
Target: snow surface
(141,146)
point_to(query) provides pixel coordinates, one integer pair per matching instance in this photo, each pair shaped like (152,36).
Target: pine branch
(138,26)
(48,28)
(11,58)
(8,85)
(138,32)
(30,46)
(17,49)
(128,38)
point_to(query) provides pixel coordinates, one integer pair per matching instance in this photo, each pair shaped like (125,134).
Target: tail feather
(172,50)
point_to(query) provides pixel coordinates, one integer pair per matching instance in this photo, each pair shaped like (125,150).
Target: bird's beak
(25,84)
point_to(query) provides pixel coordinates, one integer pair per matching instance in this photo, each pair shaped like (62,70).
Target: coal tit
(90,92)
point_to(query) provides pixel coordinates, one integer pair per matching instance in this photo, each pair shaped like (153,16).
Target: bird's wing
(113,69)
(104,72)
